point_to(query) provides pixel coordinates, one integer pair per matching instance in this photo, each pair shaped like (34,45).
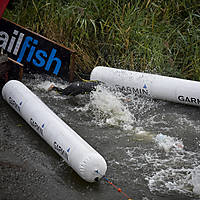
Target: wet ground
(152,148)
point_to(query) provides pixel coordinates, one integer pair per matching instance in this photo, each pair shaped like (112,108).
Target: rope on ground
(114,186)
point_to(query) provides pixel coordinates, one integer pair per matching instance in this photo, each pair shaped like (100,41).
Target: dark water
(152,148)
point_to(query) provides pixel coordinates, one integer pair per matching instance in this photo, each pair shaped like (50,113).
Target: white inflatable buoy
(152,85)
(87,162)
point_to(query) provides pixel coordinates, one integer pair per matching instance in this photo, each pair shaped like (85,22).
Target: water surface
(152,147)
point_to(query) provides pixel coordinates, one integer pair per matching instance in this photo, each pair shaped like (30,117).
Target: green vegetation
(145,35)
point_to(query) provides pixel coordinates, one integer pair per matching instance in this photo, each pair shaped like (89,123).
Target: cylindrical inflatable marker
(152,85)
(86,161)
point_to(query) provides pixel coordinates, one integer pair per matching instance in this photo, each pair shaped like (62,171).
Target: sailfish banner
(37,53)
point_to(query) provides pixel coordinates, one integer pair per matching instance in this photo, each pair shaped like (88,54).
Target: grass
(153,36)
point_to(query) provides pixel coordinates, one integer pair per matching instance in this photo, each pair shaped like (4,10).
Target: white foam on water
(44,85)
(183,180)
(166,142)
(109,109)
(141,135)
(195,180)
(178,170)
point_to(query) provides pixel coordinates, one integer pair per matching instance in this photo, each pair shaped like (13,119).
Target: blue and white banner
(37,53)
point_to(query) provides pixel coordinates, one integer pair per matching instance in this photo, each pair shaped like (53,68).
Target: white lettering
(4,37)
(18,44)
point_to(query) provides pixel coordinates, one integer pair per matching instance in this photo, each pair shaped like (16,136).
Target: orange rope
(117,188)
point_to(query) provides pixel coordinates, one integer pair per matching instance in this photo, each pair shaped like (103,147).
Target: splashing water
(182,180)
(108,108)
(174,171)
(44,85)
(195,180)
(166,142)
(163,161)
